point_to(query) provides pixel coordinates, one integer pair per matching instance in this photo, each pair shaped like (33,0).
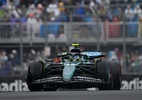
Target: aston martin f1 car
(74,70)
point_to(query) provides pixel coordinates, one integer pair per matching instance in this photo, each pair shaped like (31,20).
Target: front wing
(75,79)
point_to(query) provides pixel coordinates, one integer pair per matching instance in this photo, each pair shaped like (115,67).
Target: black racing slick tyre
(35,71)
(105,74)
(116,71)
(50,89)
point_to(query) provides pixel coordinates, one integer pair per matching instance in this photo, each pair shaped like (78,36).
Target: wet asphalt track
(73,95)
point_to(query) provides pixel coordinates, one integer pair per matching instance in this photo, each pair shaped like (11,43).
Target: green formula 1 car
(74,70)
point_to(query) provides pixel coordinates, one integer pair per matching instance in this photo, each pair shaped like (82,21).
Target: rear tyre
(105,73)
(35,71)
(116,71)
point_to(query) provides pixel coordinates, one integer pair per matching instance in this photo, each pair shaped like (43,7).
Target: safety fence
(70,32)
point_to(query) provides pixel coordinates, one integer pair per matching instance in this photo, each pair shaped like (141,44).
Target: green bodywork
(68,71)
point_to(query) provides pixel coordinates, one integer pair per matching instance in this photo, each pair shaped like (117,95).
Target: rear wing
(96,54)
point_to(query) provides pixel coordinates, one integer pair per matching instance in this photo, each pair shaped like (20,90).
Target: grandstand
(30,29)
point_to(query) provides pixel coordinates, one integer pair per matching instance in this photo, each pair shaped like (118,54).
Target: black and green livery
(76,70)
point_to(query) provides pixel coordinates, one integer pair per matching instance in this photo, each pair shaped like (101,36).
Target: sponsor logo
(92,53)
(17,85)
(135,84)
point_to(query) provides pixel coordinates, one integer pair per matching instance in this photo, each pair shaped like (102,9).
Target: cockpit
(74,58)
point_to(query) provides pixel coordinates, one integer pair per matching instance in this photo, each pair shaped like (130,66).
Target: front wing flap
(75,79)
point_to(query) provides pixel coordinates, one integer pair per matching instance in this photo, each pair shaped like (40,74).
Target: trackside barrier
(63,32)
(18,84)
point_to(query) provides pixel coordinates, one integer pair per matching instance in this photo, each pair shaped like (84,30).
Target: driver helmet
(76,58)
(68,59)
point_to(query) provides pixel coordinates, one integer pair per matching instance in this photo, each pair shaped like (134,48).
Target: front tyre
(50,89)
(116,71)
(35,71)
(105,74)
(35,87)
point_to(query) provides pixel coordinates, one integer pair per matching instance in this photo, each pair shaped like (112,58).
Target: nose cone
(68,71)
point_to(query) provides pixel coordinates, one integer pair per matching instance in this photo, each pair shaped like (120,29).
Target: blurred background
(30,29)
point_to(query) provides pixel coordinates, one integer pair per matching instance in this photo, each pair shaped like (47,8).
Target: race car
(74,70)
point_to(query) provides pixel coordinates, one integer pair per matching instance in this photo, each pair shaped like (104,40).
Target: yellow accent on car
(42,61)
(64,53)
(96,60)
(75,45)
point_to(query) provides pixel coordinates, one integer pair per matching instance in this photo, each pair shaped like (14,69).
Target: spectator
(43,31)
(62,36)
(14,58)
(46,52)
(91,4)
(134,61)
(5,29)
(89,18)
(32,55)
(31,9)
(61,7)
(5,68)
(140,60)
(62,16)
(111,30)
(140,27)
(37,26)
(137,12)
(31,22)
(132,28)
(53,8)
(99,2)
(2,14)
(109,14)
(39,11)
(106,28)
(14,27)
(80,10)
(2,2)
(23,21)
(9,4)
(117,12)
(3,58)
(78,13)
(16,12)
(24,10)
(129,13)
(16,3)
(114,30)
(102,13)
(107,2)
(53,29)
(26,2)
(112,56)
